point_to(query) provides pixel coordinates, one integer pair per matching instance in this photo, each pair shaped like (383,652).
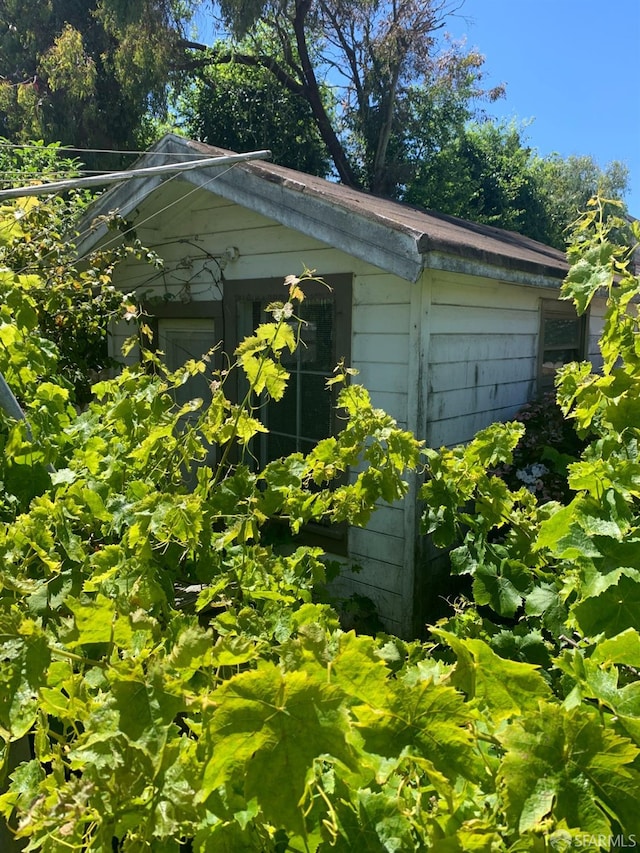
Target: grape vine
(250,720)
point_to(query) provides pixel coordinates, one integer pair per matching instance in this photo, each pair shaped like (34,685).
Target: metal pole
(116,177)
(12,408)
(10,405)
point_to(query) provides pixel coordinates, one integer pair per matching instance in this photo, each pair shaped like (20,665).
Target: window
(306,413)
(562,339)
(185,331)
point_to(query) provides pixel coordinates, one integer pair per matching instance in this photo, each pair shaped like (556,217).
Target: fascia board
(395,250)
(500,272)
(122,199)
(370,241)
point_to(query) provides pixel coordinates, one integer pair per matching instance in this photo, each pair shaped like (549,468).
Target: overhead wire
(85,233)
(17,174)
(56,149)
(133,172)
(151,216)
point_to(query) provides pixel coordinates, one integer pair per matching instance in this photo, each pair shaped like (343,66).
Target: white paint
(445,356)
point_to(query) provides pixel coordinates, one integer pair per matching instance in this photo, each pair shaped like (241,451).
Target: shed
(452,325)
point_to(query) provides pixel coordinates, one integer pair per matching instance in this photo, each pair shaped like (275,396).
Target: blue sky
(572,67)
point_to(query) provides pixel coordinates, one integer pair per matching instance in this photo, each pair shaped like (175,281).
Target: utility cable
(56,149)
(151,216)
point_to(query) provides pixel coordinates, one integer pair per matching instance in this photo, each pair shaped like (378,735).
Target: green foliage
(560,585)
(568,183)
(251,721)
(402,116)
(35,162)
(244,108)
(70,307)
(541,457)
(86,73)
(390,75)
(483,173)
(487,173)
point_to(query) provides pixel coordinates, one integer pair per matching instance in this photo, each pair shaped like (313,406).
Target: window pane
(307,446)
(281,414)
(561,333)
(553,359)
(181,340)
(317,334)
(279,445)
(316,407)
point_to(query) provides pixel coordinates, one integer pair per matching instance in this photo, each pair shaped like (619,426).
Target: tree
(73,307)
(376,56)
(483,173)
(85,74)
(567,184)
(88,74)
(486,172)
(244,108)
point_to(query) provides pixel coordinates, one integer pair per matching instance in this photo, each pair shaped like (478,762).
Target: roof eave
(494,267)
(399,250)
(374,242)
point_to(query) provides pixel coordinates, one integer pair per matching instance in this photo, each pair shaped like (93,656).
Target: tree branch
(384,134)
(253,61)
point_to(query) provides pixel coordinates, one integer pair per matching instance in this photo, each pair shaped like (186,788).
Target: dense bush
(541,456)
(255,723)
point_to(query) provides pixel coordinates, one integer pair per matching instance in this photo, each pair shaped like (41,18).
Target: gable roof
(393,236)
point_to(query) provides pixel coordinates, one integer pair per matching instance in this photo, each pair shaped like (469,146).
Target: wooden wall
(190,232)
(482,354)
(446,356)
(483,350)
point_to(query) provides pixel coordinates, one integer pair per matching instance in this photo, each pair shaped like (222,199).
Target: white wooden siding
(478,349)
(469,374)
(381,319)
(445,357)
(391,606)
(482,356)
(380,351)
(596,322)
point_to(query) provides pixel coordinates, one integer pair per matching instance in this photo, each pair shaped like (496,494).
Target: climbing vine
(243,717)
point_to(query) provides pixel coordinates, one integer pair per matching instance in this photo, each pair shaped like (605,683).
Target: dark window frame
(271,290)
(194,310)
(155,311)
(555,309)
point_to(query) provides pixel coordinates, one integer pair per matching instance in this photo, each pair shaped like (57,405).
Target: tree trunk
(312,93)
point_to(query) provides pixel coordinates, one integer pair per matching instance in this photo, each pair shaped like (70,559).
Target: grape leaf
(503,687)
(93,618)
(614,610)
(565,764)
(146,711)
(24,658)
(501,586)
(425,719)
(621,648)
(270,725)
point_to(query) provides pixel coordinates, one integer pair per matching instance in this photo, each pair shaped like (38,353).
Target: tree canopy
(486,172)
(371,92)
(90,73)
(375,57)
(244,108)
(86,74)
